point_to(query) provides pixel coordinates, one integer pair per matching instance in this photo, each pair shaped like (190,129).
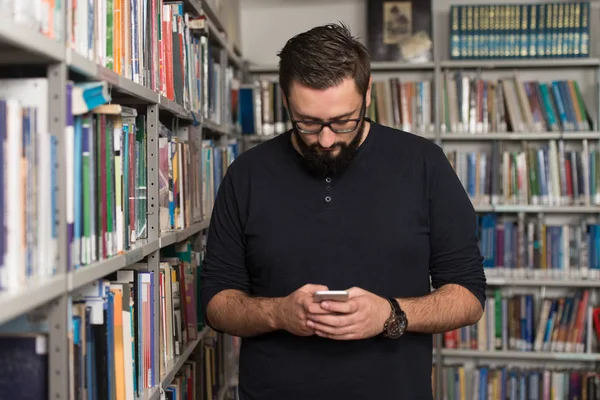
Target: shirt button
(327,199)
(328,188)
(328,180)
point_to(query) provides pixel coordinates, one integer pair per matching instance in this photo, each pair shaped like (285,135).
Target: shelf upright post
(152,126)
(439,367)
(437,79)
(596,126)
(58,349)
(196,131)
(224,122)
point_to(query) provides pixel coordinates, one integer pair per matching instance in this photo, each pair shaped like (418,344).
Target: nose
(326,137)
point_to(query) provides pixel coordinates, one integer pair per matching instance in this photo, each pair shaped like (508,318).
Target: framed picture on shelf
(400,31)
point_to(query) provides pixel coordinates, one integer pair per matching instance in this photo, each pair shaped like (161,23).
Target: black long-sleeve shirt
(397,217)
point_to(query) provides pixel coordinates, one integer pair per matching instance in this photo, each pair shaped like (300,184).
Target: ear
(368,95)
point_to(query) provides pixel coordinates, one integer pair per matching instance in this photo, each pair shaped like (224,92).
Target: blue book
(24,360)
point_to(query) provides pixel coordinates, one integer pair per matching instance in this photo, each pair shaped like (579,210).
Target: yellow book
(117,35)
(462,382)
(119,360)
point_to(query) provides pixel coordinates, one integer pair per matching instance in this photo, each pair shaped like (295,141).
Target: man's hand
(293,312)
(361,317)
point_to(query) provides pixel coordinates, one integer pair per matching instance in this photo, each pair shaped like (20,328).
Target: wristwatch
(396,324)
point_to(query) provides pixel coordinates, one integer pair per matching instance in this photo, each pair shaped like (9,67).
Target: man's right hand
(294,308)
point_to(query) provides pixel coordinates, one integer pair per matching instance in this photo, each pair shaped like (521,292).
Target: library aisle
(119,119)
(117,128)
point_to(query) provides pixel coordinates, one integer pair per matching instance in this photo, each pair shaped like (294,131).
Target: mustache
(335,145)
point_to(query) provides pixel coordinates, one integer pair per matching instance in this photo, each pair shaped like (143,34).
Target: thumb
(355,292)
(312,288)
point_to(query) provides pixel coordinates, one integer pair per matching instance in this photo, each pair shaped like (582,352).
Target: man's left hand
(361,317)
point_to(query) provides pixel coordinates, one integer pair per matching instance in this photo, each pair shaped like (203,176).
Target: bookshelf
(50,64)
(465,364)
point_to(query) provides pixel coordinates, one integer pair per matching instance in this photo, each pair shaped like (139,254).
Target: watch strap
(395,306)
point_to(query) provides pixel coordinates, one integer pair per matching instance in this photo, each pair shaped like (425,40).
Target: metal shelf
(538,282)
(174,108)
(519,136)
(129,87)
(376,66)
(255,138)
(18,42)
(171,237)
(550,63)
(150,394)
(90,273)
(121,84)
(31,296)
(521,355)
(531,209)
(214,127)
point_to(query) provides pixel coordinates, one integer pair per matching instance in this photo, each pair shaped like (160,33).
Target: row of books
(469,105)
(542,173)
(156,44)
(40,16)
(475,105)
(29,181)
(489,382)
(215,160)
(406,105)
(522,246)
(106,182)
(111,337)
(518,322)
(543,30)
(179,178)
(261,108)
(189,177)
(216,352)
(106,179)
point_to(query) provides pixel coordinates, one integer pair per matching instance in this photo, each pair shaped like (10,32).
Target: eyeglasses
(313,127)
(338,126)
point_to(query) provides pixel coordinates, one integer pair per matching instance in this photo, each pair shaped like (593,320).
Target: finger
(315,308)
(331,330)
(355,292)
(346,336)
(312,288)
(334,320)
(344,307)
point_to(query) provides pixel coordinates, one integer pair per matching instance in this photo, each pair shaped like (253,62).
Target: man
(338,203)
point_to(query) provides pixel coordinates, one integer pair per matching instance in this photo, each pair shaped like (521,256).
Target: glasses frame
(328,124)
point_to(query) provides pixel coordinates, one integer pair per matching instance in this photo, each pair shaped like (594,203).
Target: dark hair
(322,57)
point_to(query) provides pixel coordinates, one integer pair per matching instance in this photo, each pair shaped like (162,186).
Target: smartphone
(337,295)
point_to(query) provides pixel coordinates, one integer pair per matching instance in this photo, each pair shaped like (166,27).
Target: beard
(325,164)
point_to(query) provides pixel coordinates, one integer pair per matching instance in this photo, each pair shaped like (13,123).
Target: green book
(109,35)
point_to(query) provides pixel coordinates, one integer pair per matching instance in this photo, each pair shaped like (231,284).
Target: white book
(13,275)
(32,92)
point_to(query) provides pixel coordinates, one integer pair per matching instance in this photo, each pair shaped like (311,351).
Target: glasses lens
(344,126)
(308,127)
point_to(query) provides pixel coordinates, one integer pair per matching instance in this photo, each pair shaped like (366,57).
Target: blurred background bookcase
(117,128)
(517,116)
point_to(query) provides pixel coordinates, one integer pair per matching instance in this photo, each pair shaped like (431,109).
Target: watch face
(396,327)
